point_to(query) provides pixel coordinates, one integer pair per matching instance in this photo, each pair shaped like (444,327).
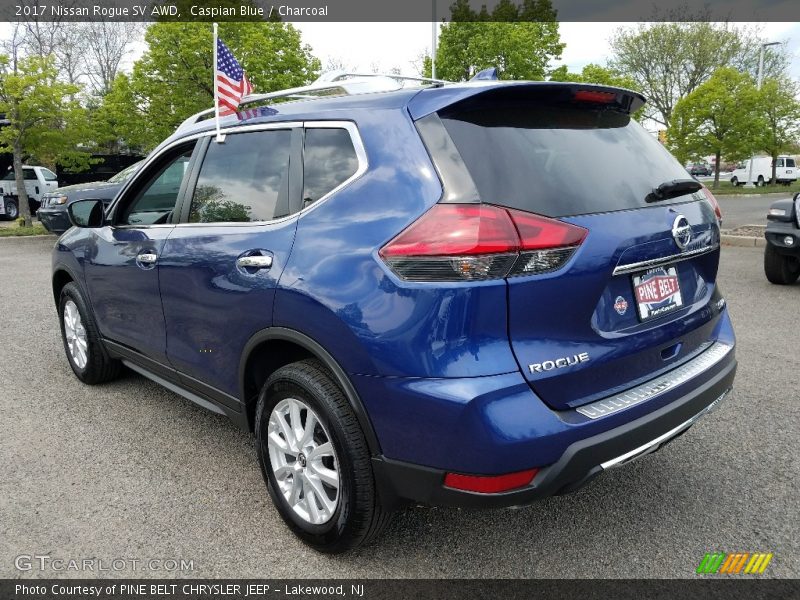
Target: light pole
(434,31)
(750,183)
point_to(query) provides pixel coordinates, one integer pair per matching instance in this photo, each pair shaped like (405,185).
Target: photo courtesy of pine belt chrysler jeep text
(408,294)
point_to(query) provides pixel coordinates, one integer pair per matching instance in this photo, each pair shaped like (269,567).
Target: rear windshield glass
(560,160)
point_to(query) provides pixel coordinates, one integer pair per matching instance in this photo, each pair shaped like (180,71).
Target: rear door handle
(147,258)
(254,262)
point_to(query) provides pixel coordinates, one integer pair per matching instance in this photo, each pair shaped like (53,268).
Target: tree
(669,60)
(107,43)
(780,112)
(519,40)
(720,117)
(42,120)
(174,79)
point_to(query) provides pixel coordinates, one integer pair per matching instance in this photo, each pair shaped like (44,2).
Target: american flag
(232,82)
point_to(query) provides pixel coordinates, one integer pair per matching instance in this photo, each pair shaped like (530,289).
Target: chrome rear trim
(655,387)
(664,260)
(653,445)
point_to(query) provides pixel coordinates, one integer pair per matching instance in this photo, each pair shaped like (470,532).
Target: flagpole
(220,137)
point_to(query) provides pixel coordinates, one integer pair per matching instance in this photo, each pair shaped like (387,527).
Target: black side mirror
(86,213)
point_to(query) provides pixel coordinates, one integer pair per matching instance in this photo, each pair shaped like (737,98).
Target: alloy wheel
(303,461)
(75,334)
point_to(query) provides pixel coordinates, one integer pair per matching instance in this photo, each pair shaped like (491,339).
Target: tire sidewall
(326,534)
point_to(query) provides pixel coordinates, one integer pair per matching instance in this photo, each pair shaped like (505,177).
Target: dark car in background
(782,252)
(699,169)
(53,210)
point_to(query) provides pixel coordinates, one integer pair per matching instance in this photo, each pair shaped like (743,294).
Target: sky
(382,46)
(388,45)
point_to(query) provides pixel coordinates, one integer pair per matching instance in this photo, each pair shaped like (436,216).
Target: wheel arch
(61,277)
(274,347)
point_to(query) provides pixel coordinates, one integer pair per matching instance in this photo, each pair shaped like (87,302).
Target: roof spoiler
(477,93)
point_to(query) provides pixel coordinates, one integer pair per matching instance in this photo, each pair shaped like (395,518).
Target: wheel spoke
(294,493)
(273,439)
(308,432)
(287,433)
(311,502)
(282,472)
(319,491)
(296,422)
(321,451)
(329,476)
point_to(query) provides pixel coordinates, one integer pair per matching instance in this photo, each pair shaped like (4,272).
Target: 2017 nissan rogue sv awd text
(473,294)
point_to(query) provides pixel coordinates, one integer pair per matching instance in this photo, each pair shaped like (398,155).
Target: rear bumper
(582,461)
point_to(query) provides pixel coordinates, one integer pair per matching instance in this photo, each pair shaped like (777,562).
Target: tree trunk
(716,170)
(22,193)
(774,178)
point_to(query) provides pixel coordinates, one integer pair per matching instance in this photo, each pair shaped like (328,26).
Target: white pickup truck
(38,181)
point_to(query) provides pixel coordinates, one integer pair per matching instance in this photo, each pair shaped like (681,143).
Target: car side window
(779,162)
(244,179)
(329,159)
(29,174)
(790,162)
(155,200)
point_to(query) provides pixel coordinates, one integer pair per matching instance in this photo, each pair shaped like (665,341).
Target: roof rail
(348,84)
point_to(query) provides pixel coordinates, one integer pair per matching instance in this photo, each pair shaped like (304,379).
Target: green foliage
(720,117)
(593,73)
(44,123)
(174,78)
(519,40)
(669,60)
(780,112)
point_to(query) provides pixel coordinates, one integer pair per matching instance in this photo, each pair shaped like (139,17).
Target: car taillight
(594,96)
(473,242)
(713,202)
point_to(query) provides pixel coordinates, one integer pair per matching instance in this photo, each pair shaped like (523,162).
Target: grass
(15,230)
(726,189)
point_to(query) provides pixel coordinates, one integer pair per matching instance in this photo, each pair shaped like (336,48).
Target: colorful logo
(621,305)
(734,563)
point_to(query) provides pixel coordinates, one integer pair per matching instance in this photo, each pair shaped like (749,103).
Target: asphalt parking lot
(130,470)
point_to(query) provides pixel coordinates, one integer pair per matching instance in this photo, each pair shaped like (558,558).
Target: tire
(358,516)
(12,210)
(760,182)
(92,365)
(780,269)
(734,182)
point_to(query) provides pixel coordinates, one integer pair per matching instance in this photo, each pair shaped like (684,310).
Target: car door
(122,266)
(221,265)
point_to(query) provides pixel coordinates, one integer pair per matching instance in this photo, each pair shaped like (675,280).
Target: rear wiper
(672,189)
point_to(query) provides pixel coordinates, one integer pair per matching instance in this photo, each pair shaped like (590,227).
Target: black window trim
(295,168)
(123,199)
(204,138)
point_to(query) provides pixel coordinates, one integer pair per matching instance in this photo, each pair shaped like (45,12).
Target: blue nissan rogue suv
(471,294)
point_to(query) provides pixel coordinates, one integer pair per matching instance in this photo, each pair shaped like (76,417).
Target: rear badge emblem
(621,305)
(681,232)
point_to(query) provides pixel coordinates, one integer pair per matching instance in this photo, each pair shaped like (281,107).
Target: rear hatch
(632,299)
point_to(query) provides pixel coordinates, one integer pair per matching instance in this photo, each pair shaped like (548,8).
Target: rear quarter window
(560,160)
(329,159)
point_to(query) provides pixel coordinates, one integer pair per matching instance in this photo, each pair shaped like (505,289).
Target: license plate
(657,292)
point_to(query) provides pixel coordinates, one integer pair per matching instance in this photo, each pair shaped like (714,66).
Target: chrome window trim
(664,260)
(350,126)
(656,387)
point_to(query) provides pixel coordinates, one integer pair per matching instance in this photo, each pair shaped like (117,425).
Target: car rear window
(560,160)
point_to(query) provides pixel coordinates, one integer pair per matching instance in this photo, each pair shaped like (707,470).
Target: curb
(28,237)
(743,240)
